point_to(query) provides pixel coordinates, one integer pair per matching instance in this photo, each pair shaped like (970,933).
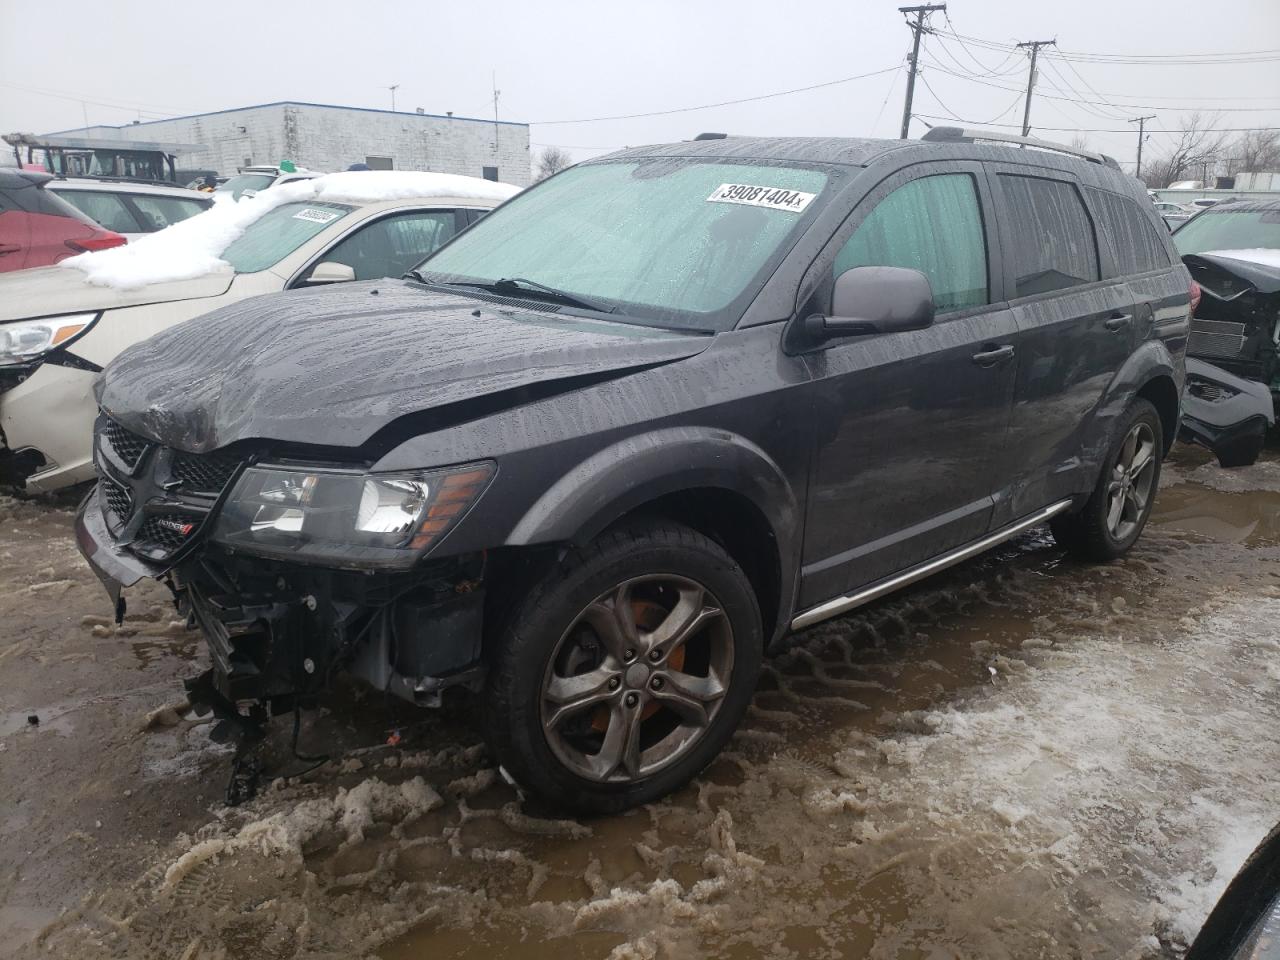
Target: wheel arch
(712,480)
(1163,394)
(1150,372)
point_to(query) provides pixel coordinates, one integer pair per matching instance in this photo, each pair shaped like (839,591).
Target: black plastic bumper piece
(1228,414)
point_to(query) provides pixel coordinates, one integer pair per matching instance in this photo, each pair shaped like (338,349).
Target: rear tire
(624,671)
(1113,517)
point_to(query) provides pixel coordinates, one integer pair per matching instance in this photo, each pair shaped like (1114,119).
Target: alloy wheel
(1132,479)
(637,679)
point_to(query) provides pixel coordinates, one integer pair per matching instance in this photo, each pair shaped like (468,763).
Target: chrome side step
(833,608)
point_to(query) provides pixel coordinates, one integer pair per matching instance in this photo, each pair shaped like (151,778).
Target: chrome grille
(128,447)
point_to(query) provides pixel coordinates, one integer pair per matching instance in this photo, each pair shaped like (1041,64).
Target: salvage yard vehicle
(252,180)
(131,209)
(38,228)
(1233,252)
(600,453)
(60,326)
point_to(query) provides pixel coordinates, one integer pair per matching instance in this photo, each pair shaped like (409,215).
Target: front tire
(1113,517)
(623,672)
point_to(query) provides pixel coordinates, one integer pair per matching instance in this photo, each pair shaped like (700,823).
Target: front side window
(159,212)
(1053,242)
(676,241)
(390,246)
(279,232)
(933,225)
(105,208)
(1227,229)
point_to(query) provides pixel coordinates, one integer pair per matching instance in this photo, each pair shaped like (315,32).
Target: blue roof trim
(291,103)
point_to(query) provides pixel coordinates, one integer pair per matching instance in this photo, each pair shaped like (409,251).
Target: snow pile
(1264,256)
(193,247)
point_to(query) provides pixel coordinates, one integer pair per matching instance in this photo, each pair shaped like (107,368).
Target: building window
(491,173)
(380,163)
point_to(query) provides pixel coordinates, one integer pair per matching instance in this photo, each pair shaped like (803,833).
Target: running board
(833,608)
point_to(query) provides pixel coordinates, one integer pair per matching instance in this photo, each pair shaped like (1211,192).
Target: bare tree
(1080,142)
(1192,156)
(551,160)
(1256,151)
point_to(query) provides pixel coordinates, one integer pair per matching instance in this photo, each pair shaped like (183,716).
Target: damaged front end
(1228,414)
(294,571)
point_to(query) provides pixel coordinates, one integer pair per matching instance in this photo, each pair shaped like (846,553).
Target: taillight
(1195,297)
(102,240)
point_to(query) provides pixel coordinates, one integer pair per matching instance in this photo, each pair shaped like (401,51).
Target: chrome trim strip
(833,608)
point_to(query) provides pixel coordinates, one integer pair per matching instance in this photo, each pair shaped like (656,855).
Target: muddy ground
(1024,757)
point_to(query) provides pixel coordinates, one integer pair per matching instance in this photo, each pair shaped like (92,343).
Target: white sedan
(59,326)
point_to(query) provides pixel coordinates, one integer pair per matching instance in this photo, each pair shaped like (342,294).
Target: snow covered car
(1233,252)
(249,181)
(131,209)
(60,325)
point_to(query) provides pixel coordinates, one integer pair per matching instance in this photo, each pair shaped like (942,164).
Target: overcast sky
(567,60)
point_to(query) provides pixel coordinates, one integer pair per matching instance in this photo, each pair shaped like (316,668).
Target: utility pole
(393,88)
(1035,46)
(922,13)
(496,92)
(1142,126)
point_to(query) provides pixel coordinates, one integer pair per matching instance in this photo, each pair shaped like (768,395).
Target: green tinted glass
(278,233)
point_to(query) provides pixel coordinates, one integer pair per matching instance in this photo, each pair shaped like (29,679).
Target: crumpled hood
(49,291)
(331,367)
(1258,268)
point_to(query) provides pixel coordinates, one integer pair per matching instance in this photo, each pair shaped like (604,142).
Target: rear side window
(933,225)
(104,208)
(1134,241)
(159,212)
(1053,242)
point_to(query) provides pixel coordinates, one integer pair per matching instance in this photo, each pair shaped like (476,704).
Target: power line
(922,16)
(979,123)
(1151,59)
(1035,46)
(722,103)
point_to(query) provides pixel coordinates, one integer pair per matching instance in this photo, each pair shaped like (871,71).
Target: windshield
(1227,229)
(237,185)
(279,232)
(679,242)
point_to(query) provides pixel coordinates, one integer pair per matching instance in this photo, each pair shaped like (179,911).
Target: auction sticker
(775,198)
(316,216)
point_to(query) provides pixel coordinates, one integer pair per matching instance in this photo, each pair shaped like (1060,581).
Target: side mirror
(875,300)
(331,272)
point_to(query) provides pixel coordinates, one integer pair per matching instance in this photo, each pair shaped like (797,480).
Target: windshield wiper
(522,285)
(415,275)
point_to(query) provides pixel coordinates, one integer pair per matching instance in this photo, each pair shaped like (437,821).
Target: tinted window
(278,233)
(389,247)
(105,208)
(1134,241)
(379,163)
(6,204)
(933,225)
(159,212)
(1053,243)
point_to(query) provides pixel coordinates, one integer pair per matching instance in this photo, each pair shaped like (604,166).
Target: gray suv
(603,451)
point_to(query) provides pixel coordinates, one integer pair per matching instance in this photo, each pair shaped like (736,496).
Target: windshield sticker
(775,198)
(316,216)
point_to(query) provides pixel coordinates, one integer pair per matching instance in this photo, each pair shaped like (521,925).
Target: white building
(329,138)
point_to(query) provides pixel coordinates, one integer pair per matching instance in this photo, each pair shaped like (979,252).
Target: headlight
(344,517)
(28,340)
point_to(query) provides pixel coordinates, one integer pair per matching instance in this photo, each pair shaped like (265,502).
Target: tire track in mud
(1023,757)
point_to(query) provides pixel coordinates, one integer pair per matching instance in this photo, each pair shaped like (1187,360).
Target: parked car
(1233,251)
(251,180)
(604,449)
(1173,214)
(59,326)
(37,228)
(131,209)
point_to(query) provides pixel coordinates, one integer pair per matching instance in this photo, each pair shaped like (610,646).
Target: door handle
(9,248)
(1118,321)
(993,355)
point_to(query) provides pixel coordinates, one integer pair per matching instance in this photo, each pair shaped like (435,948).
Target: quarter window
(106,208)
(1053,242)
(1134,241)
(159,212)
(933,225)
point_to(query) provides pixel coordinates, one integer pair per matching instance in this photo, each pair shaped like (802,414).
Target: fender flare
(1149,361)
(642,468)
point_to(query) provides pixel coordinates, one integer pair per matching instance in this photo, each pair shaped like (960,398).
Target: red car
(38,228)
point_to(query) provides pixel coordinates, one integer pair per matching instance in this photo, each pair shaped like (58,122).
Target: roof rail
(711,136)
(961,135)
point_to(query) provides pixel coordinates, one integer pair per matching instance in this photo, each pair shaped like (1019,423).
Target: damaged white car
(59,326)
